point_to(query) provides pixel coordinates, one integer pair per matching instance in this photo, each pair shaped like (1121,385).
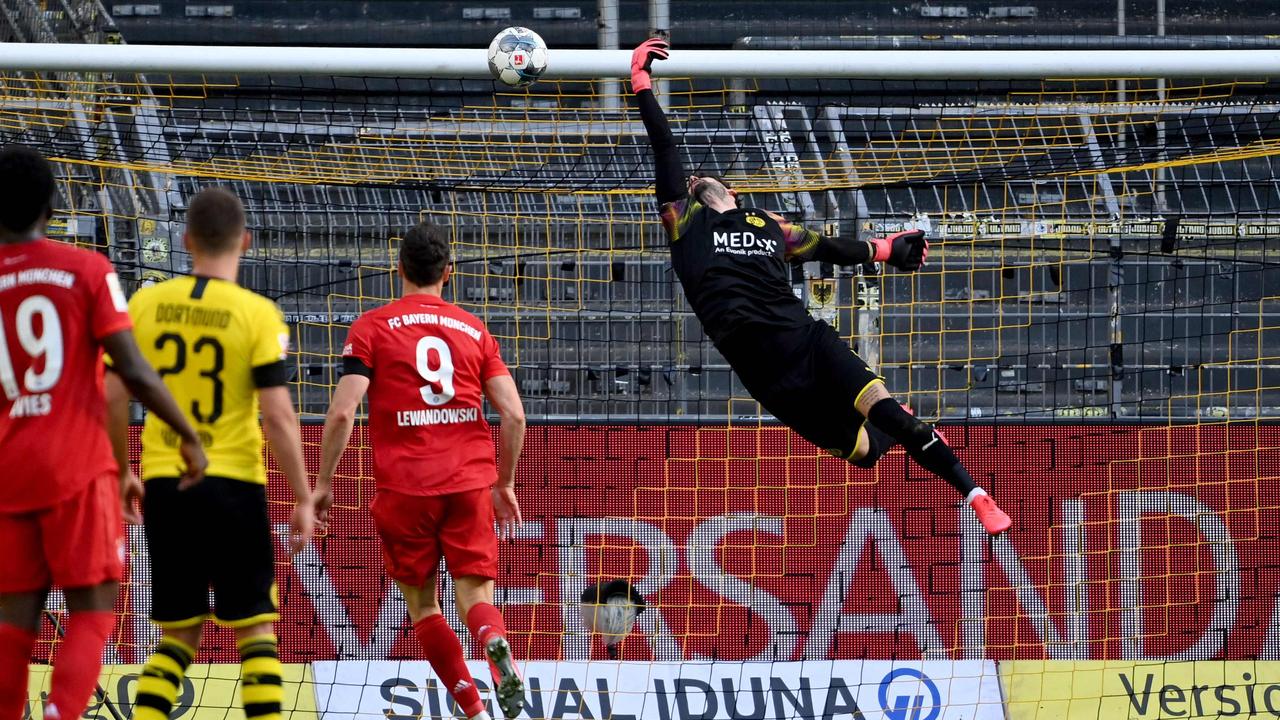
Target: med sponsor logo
(744,243)
(823,690)
(1245,697)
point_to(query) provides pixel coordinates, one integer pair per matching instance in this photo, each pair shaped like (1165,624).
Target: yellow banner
(1093,689)
(209,692)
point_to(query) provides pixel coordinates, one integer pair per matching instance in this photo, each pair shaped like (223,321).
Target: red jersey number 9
(441,375)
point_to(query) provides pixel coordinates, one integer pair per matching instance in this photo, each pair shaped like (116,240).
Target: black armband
(356,366)
(271,375)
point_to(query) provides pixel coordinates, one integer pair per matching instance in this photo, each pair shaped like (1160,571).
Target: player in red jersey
(60,512)
(424,363)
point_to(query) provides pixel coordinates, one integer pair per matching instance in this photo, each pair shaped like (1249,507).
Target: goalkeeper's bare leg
(889,423)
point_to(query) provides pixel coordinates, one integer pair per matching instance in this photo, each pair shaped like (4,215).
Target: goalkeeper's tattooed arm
(905,250)
(804,245)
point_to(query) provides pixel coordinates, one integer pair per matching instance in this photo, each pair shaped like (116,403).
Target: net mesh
(1095,329)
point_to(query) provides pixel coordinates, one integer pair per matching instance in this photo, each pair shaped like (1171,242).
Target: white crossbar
(588,64)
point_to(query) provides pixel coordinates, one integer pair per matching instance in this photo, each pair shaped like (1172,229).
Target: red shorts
(417,530)
(77,543)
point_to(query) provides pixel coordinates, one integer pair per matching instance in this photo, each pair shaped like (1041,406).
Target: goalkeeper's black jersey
(733,266)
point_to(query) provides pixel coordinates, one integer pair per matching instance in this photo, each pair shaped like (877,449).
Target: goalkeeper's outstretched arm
(905,250)
(669,176)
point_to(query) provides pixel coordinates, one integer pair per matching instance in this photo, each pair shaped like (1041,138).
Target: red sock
(444,652)
(484,621)
(79,661)
(16,645)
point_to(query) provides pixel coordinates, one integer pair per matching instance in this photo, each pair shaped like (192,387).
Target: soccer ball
(517,56)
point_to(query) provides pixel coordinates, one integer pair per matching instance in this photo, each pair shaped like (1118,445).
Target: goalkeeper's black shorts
(805,376)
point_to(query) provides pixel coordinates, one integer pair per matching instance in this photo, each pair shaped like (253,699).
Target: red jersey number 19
(441,375)
(47,343)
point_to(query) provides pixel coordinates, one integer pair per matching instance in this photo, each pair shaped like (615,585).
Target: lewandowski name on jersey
(437,416)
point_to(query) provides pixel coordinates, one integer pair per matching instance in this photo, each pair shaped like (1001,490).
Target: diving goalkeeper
(732,263)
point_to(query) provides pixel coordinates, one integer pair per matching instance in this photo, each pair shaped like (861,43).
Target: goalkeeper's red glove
(643,56)
(905,250)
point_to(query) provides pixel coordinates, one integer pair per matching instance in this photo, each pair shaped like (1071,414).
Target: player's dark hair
(27,186)
(424,254)
(215,221)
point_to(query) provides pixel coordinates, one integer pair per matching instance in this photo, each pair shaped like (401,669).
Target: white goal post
(592,64)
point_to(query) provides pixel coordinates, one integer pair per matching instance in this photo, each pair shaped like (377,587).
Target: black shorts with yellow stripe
(215,535)
(807,377)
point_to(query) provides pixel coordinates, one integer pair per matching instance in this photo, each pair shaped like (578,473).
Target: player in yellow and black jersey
(216,345)
(221,351)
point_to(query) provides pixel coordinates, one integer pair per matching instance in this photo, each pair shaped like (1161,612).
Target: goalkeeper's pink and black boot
(508,686)
(993,519)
